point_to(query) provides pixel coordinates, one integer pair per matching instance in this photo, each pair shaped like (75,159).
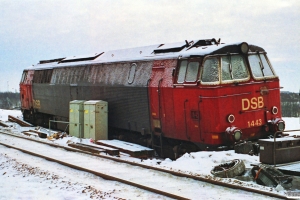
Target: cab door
(186,101)
(155,98)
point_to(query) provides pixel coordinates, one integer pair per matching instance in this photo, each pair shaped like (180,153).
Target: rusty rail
(105,176)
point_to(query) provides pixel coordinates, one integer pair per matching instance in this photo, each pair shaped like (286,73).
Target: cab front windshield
(224,69)
(234,68)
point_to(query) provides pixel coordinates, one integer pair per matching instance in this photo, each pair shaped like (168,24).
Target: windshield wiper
(230,66)
(261,68)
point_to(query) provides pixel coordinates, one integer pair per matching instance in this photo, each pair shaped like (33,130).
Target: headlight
(244,47)
(234,134)
(278,124)
(237,134)
(281,126)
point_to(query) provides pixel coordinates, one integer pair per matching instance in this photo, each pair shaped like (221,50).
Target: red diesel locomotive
(185,96)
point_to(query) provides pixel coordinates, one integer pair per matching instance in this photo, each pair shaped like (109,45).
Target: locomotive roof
(193,48)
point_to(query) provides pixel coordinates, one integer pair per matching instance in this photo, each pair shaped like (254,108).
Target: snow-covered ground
(27,177)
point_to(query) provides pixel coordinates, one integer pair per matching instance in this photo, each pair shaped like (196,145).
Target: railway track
(117,169)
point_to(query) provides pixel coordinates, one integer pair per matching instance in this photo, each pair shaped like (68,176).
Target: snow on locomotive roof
(157,52)
(81,58)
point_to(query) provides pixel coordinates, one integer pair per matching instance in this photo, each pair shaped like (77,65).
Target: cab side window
(24,75)
(188,71)
(182,71)
(192,72)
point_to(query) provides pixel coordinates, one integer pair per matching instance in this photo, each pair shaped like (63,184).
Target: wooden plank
(3,124)
(41,134)
(109,150)
(86,148)
(30,133)
(19,121)
(135,153)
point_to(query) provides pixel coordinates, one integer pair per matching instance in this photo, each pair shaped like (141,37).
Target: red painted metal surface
(198,113)
(26,90)
(161,97)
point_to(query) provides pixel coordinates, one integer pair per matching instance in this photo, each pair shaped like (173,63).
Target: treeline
(9,100)
(290,104)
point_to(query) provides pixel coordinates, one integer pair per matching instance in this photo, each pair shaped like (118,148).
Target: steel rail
(179,174)
(105,176)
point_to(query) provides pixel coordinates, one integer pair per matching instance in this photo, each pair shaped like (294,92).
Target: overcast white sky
(33,30)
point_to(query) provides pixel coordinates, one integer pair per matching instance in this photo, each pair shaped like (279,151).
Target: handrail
(80,134)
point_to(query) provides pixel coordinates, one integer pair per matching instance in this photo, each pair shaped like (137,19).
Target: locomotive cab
(229,95)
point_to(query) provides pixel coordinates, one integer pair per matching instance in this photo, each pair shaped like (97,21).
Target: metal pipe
(274,150)
(63,122)
(159,103)
(149,109)
(199,120)
(185,120)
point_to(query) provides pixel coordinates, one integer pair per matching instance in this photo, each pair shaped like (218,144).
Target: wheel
(229,169)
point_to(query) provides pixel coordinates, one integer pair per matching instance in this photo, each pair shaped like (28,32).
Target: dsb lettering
(253,103)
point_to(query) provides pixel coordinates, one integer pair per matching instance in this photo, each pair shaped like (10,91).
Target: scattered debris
(56,136)
(40,134)
(133,150)
(229,169)
(50,135)
(95,149)
(247,148)
(28,133)
(269,176)
(4,124)
(19,121)
(279,188)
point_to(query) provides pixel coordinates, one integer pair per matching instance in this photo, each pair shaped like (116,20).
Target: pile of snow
(4,114)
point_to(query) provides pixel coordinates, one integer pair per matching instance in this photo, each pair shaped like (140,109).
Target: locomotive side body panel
(188,114)
(123,85)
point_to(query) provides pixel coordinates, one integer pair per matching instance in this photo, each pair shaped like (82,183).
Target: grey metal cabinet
(76,118)
(95,120)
